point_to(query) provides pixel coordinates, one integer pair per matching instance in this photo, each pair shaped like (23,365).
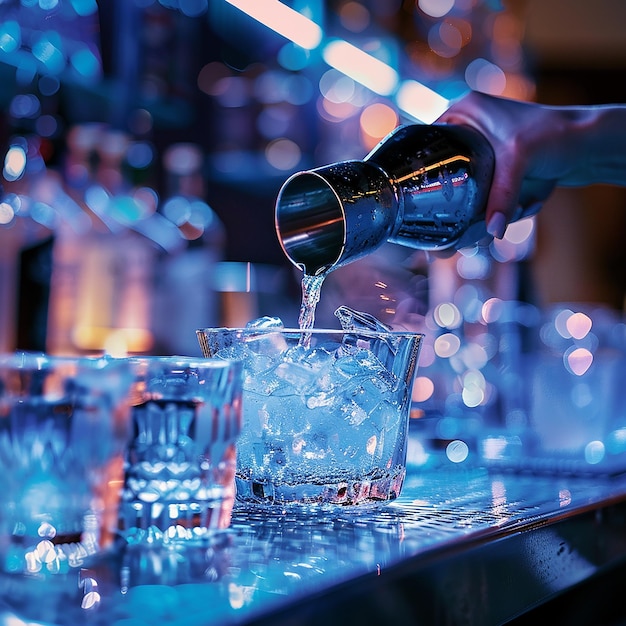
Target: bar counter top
(460,546)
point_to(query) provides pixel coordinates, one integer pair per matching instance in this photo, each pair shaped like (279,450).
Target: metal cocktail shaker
(422,187)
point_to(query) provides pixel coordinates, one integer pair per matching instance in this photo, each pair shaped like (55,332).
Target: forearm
(538,147)
(596,151)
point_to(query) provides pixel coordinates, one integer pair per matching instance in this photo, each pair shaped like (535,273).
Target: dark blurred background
(144,143)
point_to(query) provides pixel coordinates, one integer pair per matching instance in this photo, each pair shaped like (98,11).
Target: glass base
(381,488)
(172,522)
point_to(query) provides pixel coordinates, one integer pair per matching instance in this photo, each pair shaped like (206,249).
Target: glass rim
(362,332)
(182,360)
(41,360)
(24,359)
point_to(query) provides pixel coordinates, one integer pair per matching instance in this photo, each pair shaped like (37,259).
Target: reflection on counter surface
(271,568)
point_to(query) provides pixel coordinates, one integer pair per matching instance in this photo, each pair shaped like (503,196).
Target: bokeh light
(232,91)
(336,87)
(6,213)
(283,154)
(485,76)
(44,214)
(447,345)
(361,66)
(25,106)
(457,451)
(427,355)
(517,243)
(578,325)
(10,36)
(420,102)
(435,8)
(445,39)
(274,121)
(492,310)
(84,7)
(140,155)
(474,386)
(377,121)
(14,163)
(473,266)
(210,76)
(85,63)
(447,315)
(423,389)
(49,85)
(193,8)
(293,57)
(354,16)
(560,323)
(578,360)
(474,354)
(47,126)
(48,50)
(594,452)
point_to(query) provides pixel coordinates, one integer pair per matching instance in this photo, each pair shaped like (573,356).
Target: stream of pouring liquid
(311,289)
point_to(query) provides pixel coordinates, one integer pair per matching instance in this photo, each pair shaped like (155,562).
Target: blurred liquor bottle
(186,298)
(27,229)
(74,248)
(103,274)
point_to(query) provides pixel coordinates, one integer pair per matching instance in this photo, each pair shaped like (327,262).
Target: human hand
(528,141)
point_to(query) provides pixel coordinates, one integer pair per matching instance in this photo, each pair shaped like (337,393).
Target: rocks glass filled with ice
(325,412)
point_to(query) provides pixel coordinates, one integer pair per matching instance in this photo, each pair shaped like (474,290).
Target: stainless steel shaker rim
(313,240)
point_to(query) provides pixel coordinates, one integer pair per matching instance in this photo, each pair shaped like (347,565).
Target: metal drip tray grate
(510,539)
(436,509)
(456,545)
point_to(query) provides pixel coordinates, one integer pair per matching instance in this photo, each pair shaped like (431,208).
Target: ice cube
(385,346)
(368,394)
(235,352)
(357,320)
(300,377)
(353,413)
(258,363)
(267,343)
(295,354)
(266,384)
(388,417)
(316,445)
(319,359)
(319,400)
(266,322)
(366,363)
(276,451)
(221,342)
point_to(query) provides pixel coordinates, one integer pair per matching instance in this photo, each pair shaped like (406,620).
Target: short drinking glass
(325,412)
(180,464)
(64,424)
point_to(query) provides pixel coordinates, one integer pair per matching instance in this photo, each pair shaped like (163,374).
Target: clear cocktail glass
(325,412)
(180,461)
(64,425)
